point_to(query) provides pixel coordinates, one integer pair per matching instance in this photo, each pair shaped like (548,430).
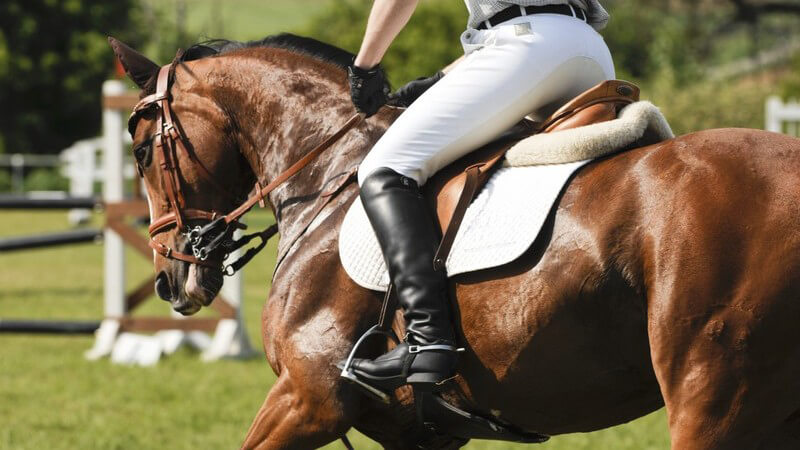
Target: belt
(516,11)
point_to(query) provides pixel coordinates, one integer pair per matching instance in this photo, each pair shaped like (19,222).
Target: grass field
(50,397)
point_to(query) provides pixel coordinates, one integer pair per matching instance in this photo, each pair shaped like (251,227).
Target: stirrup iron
(347,370)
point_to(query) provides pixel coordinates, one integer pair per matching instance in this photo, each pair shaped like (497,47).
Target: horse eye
(141,153)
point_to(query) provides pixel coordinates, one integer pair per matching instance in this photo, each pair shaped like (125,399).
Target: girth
(213,241)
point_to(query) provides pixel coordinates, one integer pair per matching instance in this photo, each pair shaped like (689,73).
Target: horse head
(186,152)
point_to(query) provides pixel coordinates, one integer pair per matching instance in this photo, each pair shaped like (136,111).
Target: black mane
(287,41)
(297,44)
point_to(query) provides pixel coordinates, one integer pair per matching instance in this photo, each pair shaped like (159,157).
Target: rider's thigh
(518,70)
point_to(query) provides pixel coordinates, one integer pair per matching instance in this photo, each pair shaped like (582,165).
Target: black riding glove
(368,88)
(407,94)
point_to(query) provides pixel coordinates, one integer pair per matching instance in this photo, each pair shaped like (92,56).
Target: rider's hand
(368,88)
(406,95)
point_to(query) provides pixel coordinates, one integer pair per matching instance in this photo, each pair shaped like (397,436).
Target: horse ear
(137,66)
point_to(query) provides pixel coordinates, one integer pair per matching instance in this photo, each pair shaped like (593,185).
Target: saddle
(451,190)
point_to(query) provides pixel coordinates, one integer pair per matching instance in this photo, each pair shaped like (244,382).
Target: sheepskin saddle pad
(505,218)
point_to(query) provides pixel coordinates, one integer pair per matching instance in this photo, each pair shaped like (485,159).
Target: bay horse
(665,275)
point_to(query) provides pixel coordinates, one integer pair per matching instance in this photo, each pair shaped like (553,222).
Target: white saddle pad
(500,224)
(505,218)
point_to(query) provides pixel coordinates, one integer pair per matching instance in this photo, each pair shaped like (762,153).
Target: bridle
(217,232)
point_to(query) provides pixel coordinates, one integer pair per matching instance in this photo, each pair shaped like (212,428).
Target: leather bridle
(217,232)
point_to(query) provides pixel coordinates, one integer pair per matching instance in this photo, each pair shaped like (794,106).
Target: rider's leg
(408,237)
(508,77)
(531,64)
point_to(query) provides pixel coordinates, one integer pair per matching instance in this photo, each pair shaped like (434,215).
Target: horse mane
(287,41)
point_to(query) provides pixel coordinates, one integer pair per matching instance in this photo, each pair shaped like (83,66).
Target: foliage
(666,49)
(174,24)
(429,42)
(43,179)
(791,84)
(53,59)
(643,41)
(709,104)
(629,34)
(169,32)
(5,181)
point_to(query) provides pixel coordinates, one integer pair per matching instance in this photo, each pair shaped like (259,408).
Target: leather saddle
(451,190)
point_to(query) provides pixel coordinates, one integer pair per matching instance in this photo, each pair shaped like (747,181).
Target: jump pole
(113,246)
(48,326)
(26,202)
(49,240)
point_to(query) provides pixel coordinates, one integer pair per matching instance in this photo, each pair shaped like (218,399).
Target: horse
(666,275)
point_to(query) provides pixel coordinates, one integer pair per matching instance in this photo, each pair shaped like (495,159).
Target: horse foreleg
(291,417)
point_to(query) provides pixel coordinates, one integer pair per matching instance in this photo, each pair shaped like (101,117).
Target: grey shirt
(480,10)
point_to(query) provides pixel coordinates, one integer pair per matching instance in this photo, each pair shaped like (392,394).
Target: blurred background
(705,63)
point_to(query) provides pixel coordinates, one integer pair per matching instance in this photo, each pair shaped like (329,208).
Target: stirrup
(347,370)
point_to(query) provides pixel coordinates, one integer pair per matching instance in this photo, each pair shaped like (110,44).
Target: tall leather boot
(408,238)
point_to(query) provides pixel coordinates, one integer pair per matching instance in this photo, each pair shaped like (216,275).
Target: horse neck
(280,111)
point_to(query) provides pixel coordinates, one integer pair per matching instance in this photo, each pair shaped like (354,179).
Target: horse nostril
(162,287)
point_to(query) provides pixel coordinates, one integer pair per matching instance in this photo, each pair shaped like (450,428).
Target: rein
(217,232)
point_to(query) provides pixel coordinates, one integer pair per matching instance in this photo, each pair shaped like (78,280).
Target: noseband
(217,232)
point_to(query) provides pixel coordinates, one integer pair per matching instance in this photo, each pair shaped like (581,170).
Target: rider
(521,57)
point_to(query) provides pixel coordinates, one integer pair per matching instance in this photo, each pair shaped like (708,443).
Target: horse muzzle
(188,287)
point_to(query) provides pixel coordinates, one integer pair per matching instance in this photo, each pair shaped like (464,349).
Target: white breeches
(526,66)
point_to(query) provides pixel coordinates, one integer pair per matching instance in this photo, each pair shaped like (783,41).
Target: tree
(642,41)
(429,41)
(752,10)
(53,59)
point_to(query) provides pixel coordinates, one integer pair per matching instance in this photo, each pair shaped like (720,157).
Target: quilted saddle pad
(500,224)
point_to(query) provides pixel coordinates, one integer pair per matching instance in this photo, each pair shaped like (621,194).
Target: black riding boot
(408,238)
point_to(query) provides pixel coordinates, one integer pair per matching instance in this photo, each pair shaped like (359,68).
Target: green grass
(50,397)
